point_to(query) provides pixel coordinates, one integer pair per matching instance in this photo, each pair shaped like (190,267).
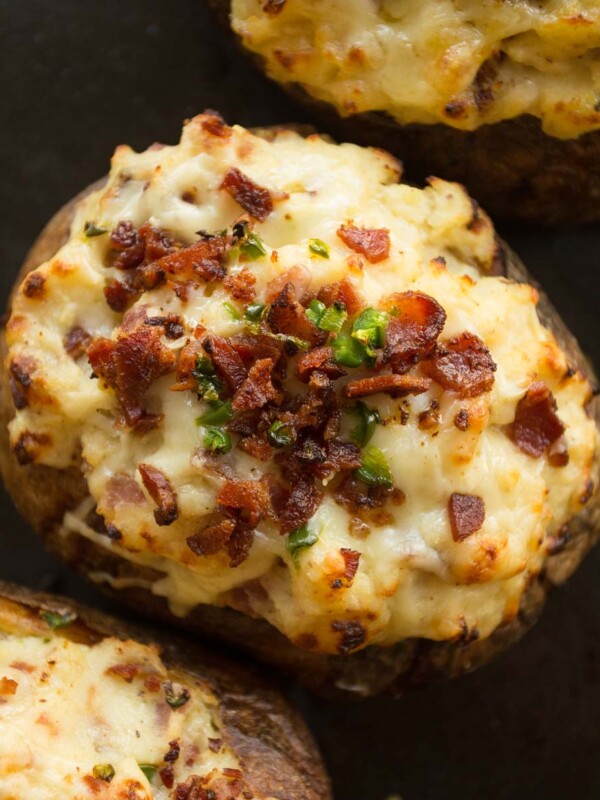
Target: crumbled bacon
(160,490)
(299,276)
(130,364)
(257,390)
(360,499)
(412,332)
(226,361)
(213,123)
(303,501)
(463,365)
(351,562)
(136,248)
(211,539)
(254,199)
(256,447)
(172,324)
(536,425)
(76,341)
(204,260)
(186,365)
(287,315)
(129,671)
(241,285)
(353,635)
(120,294)
(28,445)
(252,347)
(253,497)
(238,546)
(321,359)
(344,293)
(395,385)
(372,243)
(467,515)
(34,285)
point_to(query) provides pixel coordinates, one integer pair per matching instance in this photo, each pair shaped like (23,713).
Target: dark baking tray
(79,78)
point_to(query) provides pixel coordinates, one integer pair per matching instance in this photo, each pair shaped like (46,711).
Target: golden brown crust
(42,494)
(277,754)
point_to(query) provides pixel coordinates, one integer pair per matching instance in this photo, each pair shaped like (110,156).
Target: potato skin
(514,169)
(277,753)
(42,494)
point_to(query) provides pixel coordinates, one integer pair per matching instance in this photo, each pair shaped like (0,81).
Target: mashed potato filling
(104,719)
(420,560)
(463,63)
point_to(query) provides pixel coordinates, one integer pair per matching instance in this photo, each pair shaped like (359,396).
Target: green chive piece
(348,351)
(375,470)
(369,328)
(333,318)
(287,339)
(149,771)
(315,311)
(253,247)
(55,619)
(299,540)
(232,310)
(91,229)
(368,419)
(176,695)
(280,434)
(104,772)
(319,248)
(204,366)
(217,440)
(218,414)
(255,312)
(209,386)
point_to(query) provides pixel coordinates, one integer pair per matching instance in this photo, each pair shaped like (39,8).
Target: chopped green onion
(299,540)
(368,419)
(375,470)
(280,434)
(255,312)
(253,247)
(348,351)
(287,338)
(218,414)
(149,771)
(369,329)
(55,619)
(176,695)
(315,311)
(104,772)
(232,310)
(319,248)
(91,229)
(204,366)
(217,440)
(209,386)
(333,318)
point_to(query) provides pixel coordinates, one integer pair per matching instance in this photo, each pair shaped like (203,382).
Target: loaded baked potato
(502,96)
(92,709)
(269,391)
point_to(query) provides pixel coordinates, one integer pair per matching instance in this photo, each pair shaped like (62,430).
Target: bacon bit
(256,447)
(131,364)
(254,199)
(322,359)
(212,539)
(303,502)
(252,347)
(172,324)
(214,745)
(167,776)
(461,420)
(412,332)
(372,243)
(76,341)
(467,515)
(360,499)
(298,275)
(34,285)
(337,456)
(120,295)
(212,122)
(8,687)
(395,385)
(351,561)
(430,417)
(251,496)
(21,372)
(129,672)
(353,635)
(137,248)
(192,789)
(286,315)
(186,365)
(160,490)
(462,365)
(344,293)
(203,260)
(238,547)
(226,361)
(536,425)
(241,286)
(558,454)
(257,390)
(172,754)
(28,446)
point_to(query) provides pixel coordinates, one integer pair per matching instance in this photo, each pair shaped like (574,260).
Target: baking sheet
(78,78)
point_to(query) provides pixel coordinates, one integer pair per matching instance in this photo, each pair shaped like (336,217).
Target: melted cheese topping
(63,712)
(413,578)
(464,63)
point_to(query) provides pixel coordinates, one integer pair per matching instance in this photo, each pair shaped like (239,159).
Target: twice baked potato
(269,391)
(504,97)
(90,708)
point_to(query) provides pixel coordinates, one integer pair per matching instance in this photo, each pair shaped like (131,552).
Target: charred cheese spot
(240,453)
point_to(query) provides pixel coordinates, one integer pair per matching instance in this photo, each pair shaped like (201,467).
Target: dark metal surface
(79,78)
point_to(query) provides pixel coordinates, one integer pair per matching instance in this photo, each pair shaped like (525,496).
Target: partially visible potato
(108,711)
(503,98)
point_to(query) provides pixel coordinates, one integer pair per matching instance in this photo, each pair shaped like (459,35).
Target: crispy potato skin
(43,494)
(277,753)
(514,169)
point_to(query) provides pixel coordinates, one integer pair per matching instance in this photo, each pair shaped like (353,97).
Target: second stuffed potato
(270,391)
